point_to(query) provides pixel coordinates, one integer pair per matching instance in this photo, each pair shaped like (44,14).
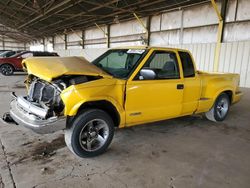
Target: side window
(26,55)
(161,65)
(187,64)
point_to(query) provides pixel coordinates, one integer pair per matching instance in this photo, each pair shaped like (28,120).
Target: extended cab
(121,88)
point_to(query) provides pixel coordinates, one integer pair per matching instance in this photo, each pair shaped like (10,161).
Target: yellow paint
(218,47)
(219,36)
(140,21)
(48,68)
(216,9)
(137,101)
(142,24)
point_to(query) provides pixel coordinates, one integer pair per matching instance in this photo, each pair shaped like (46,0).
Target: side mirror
(147,74)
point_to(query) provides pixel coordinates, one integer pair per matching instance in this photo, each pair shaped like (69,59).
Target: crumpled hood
(48,68)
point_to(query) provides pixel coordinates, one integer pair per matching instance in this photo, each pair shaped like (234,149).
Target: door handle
(180,86)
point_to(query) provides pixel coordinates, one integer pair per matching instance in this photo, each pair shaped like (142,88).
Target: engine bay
(46,95)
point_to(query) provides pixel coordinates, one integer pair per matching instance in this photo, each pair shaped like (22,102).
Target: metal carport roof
(26,20)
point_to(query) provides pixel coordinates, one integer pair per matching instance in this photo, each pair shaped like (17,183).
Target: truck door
(192,84)
(156,90)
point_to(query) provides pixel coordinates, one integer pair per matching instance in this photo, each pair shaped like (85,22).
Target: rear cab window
(187,64)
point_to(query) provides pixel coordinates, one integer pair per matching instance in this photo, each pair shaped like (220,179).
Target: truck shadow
(42,151)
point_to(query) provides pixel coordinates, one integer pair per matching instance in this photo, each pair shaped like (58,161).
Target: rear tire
(90,133)
(7,70)
(220,108)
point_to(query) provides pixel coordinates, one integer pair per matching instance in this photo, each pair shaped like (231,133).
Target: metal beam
(43,41)
(181,28)
(216,9)
(83,39)
(76,33)
(149,31)
(79,22)
(26,6)
(55,13)
(3,42)
(65,41)
(77,15)
(145,28)
(86,14)
(88,21)
(106,34)
(223,15)
(17,11)
(236,10)
(107,5)
(45,13)
(219,34)
(53,42)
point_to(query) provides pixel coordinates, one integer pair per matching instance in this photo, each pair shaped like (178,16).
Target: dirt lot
(184,152)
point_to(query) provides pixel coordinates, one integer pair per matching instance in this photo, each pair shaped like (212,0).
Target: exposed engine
(46,95)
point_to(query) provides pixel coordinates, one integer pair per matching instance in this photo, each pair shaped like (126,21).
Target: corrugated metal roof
(33,19)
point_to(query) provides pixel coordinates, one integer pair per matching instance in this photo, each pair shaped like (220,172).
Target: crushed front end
(42,109)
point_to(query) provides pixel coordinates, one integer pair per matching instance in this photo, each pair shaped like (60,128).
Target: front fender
(73,98)
(73,111)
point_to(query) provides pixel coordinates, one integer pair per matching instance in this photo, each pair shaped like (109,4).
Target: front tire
(7,70)
(90,133)
(220,108)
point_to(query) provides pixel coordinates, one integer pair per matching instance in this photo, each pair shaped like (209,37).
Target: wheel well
(229,94)
(105,106)
(8,64)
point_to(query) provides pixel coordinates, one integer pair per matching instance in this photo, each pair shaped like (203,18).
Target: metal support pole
(105,33)
(108,36)
(236,10)
(181,29)
(65,41)
(223,15)
(83,38)
(80,36)
(53,43)
(148,29)
(219,33)
(43,42)
(3,42)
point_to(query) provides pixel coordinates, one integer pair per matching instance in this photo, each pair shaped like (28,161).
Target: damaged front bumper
(23,112)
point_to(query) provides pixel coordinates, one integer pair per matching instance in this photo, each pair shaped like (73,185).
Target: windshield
(120,62)
(7,54)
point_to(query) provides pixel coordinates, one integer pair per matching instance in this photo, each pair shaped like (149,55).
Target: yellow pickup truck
(121,88)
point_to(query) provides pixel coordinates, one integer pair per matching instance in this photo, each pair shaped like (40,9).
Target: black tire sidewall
(10,67)
(221,96)
(79,122)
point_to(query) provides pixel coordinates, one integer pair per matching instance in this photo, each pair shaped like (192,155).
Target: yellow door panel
(153,94)
(152,100)
(191,95)
(192,83)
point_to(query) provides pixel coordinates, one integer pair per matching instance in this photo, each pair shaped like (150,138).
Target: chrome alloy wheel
(222,108)
(94,135)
